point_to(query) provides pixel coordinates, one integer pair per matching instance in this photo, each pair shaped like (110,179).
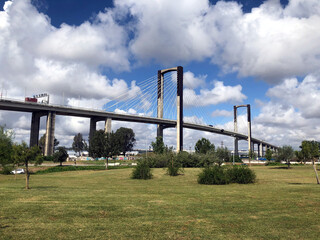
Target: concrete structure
(160,99)
(39,110)
(249,139)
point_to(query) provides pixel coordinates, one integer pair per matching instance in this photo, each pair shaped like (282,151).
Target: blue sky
(263,53)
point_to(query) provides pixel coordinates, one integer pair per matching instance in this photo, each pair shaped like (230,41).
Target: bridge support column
(107,128)
(249,128)
(236,147)
(179,109)
(260,150)
(35,127)
(49,143)
(93,127)
(236,140)
(160,103)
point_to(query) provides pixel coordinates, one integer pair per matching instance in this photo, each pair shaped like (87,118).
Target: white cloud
(271,42)
(303,96)
(37,57)
(219,94)
(192,82)
(221,113)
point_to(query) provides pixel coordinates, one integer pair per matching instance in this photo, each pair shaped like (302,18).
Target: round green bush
(241,174)
(142,170)
(213,175)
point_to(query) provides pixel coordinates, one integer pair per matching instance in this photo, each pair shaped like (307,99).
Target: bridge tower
(179,125)
(236,127)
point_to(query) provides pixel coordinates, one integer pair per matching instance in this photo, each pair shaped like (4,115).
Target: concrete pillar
(49,143)
(179,109)
(260,150)
(160,103)
(249,127)
(236,146)
(35,127)
(107,128)
(93,127)
(252,147)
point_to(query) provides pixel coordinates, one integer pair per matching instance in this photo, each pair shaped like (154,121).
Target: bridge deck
(21,106)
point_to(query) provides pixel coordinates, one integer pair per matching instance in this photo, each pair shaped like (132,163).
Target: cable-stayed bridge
(157,100)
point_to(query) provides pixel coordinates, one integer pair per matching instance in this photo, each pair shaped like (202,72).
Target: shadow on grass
(280,168)
(295,183)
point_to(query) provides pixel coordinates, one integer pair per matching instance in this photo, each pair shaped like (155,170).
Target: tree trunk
(27,176)
(315,170)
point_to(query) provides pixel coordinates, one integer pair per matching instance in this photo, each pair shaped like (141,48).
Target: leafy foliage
(69,168)
(142,170)
(214,175)
(126,139)
(218,175)
(174,166)
(241,174)
(268,154)
(60,155)
(6,149)
(42,142)
(109,144)
(158,146)
(285,153)
(204,146)
(98,144)
(79,144)
(222,155)
(23,154)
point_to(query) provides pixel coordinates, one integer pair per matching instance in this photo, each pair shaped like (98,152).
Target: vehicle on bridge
(31,99)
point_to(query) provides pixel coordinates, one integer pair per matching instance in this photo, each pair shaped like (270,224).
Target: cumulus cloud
(191,81)
(292,113)
(41,58)
(219,94)
(221,113)
(304,95)
(271,42)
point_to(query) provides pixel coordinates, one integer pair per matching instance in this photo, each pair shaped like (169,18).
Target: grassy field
(283,204)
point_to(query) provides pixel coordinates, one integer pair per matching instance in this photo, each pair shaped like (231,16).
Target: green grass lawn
(283,204)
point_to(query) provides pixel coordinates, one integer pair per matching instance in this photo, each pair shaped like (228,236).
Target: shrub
(213,175)
(241,174)
(6,170)
(174,166)
(157,160)
(142,170)
(69,168)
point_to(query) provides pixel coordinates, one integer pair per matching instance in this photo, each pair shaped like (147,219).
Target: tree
(23,154)
(6,148)
(97,144)
(158,146)
(60,155)
(285,153)
(222,155)
(113,146)
(310,151)
(204,146)
(126,139)
(78,144)
(42,143)
(269,154)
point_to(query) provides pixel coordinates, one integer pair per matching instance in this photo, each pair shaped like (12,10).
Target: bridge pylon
(250,148)
(179,125)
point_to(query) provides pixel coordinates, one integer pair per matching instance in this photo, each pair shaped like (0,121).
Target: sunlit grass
(283,204)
